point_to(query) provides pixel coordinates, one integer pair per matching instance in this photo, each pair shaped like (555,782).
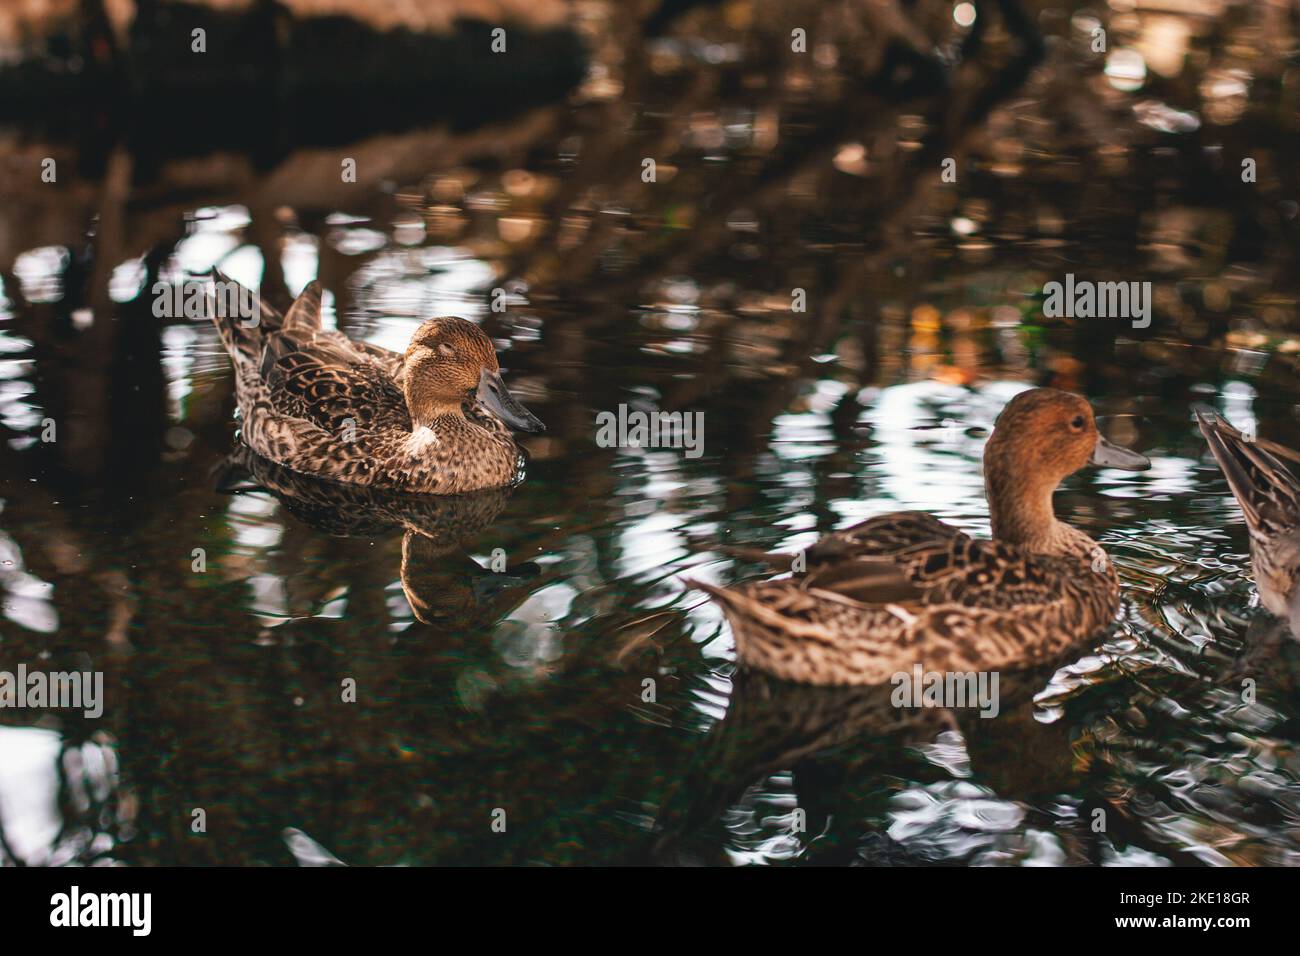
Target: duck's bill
(1109,455)
(493,395)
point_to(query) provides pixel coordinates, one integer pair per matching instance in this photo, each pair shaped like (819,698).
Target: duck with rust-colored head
(436,419)
(905,589)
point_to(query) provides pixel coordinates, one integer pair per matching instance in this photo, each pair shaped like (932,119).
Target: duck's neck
(1020,510)
(429,410)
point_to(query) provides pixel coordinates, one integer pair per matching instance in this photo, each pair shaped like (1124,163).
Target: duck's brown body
(369,440)
(904,589)
(321,404)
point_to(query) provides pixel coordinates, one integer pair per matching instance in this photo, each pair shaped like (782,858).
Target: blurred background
(583,691)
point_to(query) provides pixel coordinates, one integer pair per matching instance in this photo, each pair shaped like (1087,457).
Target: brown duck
(1269,496)
(433,420)
(905,589)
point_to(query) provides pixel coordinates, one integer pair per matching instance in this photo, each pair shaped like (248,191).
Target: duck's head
(1042,436)
(451,361)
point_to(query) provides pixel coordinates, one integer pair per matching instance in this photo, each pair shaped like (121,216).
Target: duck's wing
(913,558)
(866,563)
(1267,491)
(885,536)
(862,561)
(304,319)
(322,378)
(246,338)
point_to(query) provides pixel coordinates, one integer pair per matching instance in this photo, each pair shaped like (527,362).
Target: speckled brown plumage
(1269,495)
(904,588)
(321,404)
(347,510)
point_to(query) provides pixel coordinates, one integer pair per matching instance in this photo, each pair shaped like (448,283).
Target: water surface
(584,690)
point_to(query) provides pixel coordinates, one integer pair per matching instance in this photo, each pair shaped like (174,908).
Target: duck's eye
(1077,423)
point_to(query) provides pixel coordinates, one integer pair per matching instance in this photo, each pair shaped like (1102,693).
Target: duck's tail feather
(1267,492)
(721,594)
(241,317)
(304,314)
(736,606)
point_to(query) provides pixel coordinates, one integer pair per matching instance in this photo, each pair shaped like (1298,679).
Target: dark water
(583,695)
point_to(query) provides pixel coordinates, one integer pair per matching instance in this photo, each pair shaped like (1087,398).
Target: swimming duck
(433,420)
(1269,496)
(906,589)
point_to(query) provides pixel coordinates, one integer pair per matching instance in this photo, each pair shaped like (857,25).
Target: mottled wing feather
(886,535)
(865,580)
(317,379)
(913,558)
(304,319)
(389,361)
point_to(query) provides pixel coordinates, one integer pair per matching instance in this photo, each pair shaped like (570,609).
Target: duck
(905,589)
(1269,496)
(435,419)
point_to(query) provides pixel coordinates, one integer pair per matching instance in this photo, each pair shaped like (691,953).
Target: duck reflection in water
(844,745)
(442,583)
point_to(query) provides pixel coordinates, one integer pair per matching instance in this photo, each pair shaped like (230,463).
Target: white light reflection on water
(40,777)
(300,261)
(257,532)
(27,600)
(29,791)
(914,471)
(400,288)
(40,273)
(178,365)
